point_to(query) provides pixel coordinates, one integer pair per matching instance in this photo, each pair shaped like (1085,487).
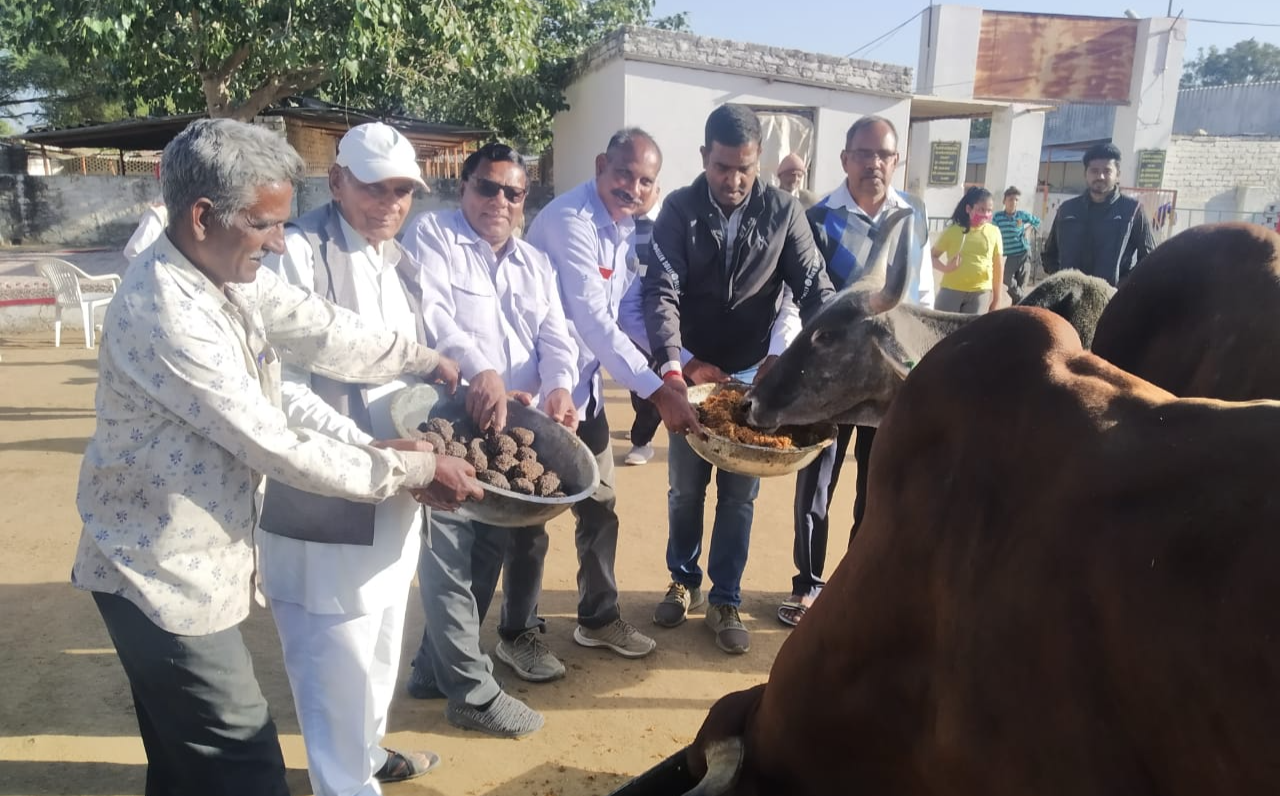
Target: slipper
(791,611)
(406,765)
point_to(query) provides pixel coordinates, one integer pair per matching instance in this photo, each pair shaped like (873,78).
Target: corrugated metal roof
(1242,109)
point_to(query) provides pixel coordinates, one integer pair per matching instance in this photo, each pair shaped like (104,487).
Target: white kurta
(338,578)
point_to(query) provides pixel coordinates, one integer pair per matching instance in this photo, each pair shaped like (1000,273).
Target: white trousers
(342,669)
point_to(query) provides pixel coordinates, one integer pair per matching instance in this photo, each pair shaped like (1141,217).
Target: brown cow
(1065,584)
(1201,315)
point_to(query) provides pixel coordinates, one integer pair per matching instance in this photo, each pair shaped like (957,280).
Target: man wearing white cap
(337,573)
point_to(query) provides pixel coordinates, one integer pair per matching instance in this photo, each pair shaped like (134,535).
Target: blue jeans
(688,475)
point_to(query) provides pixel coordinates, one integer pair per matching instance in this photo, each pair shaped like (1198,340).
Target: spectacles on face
(868,155)
(489,189)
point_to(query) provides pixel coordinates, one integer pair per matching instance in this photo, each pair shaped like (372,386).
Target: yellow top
(978,249)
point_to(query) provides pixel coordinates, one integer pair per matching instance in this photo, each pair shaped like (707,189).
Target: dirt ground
(66,718)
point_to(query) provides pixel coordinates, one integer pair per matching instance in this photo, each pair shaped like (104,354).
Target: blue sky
(837,27)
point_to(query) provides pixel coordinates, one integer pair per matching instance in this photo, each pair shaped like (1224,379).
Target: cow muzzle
(724,764)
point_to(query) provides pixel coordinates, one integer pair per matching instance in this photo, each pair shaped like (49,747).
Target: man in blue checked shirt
(1013,225)
(588,233)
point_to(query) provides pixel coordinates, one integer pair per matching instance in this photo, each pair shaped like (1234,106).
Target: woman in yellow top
(973,270)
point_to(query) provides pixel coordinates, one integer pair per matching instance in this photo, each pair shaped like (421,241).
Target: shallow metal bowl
(754,460)
(558,448)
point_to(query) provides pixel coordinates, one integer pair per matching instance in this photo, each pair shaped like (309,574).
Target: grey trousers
(1017,273)
(457,575)
(204,722)
(949,300)
(596,536)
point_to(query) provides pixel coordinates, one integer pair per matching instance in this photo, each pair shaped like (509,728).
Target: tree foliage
(44,89)
(1245,61)
(499,63)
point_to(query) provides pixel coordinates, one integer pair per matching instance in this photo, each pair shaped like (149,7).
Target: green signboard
(1150,168)
(944,163)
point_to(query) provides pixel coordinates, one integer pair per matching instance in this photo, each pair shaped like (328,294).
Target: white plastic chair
(66,279)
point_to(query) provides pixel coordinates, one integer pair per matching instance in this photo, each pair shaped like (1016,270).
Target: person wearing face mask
(968,253)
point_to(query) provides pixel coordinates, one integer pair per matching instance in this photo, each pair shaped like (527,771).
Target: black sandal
(406,765)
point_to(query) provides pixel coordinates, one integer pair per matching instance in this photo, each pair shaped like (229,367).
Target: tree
(501,64)
(1243,62)
(46,89)
(237,57)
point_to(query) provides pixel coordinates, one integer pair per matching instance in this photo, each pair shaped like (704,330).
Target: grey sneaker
(619,636)
(638,455)
(731,635)
(506,717)
(675,607)
(531,659)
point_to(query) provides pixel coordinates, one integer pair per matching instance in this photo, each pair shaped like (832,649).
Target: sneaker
(639,454)
(619,636)
(675,607)
(422,685)
(505,717)
(731,635)
(532,660)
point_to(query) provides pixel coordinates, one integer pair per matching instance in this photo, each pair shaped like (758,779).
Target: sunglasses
(489,189)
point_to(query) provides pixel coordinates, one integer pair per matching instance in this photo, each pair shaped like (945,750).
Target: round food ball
(503,463)
(522,485)
(522,436)
(442,427)
(437,441)
(493,479)
(557,494)
(549,485)
(476,446)
(477,459)
(455,449)
(526,454)
(500,443)
(530,470)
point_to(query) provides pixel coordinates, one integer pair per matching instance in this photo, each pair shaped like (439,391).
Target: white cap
(375,152)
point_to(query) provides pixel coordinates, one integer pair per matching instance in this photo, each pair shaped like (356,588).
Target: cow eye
(827,337)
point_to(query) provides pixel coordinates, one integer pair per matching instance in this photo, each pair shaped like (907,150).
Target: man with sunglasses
(338,573)
(588,234)
(491,299)
(843,224)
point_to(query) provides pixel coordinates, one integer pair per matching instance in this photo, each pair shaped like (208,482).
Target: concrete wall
(673,102)
(1225,175)
(1147,121)
(102,212)
(597,109)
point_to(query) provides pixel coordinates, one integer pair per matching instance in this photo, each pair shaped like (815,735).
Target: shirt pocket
(476,311)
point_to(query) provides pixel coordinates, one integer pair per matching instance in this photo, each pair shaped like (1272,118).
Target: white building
(667,83)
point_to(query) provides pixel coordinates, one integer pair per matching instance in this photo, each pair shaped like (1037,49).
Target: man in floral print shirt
(189,424)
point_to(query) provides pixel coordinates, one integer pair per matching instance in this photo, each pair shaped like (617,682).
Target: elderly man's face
(790,178)
(627,179)
(869,160)
(233,253)
(493,200)
(374,209)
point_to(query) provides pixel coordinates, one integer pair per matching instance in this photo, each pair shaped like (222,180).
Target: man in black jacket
(714,306)
(1101,232)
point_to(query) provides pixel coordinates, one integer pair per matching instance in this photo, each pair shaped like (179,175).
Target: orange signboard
(1035,57)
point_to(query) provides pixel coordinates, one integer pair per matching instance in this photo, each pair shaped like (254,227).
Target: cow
(849,361)
(1064,584)
(1201,315)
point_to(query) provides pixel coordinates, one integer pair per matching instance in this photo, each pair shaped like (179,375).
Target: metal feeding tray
(754,460)
(558,448)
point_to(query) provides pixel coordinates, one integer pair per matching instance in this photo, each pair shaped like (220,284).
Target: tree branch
(274,88)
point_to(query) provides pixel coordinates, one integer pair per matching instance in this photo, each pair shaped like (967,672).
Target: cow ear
(896,357)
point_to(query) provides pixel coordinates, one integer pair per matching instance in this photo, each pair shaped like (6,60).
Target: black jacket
(1103,239)
(723,315)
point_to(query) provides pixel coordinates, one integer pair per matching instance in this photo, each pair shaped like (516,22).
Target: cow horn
(892,282)
(724,762)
